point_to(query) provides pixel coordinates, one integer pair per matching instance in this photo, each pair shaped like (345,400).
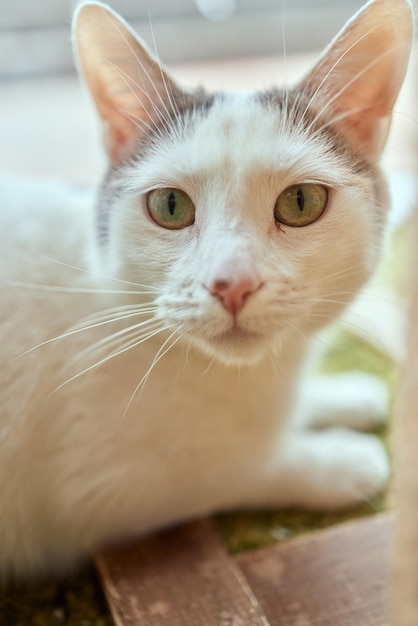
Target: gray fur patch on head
(302,115)
(180,111)
(108,192)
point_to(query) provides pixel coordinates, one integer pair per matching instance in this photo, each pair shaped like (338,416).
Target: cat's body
(204,412)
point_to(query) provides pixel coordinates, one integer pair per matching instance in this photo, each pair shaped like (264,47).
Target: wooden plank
(182,577)
(335,577)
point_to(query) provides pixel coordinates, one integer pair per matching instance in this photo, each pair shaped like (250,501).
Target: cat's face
(229,273)
(253,216)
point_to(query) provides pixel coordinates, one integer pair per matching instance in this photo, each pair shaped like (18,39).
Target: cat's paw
(354,400)
(334,469)
(354,467)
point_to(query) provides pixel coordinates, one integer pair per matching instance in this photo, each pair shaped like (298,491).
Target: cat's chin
(236,347)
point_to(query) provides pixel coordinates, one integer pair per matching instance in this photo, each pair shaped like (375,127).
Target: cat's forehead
(239,134)
(238,128)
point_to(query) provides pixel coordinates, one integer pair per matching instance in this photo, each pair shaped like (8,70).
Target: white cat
(152,349)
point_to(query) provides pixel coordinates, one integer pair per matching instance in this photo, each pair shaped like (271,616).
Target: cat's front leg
(329,469)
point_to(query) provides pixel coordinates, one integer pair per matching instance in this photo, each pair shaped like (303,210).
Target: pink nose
(234,293)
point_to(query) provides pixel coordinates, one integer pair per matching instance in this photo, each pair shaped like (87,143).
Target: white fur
(89,455)
(199,436)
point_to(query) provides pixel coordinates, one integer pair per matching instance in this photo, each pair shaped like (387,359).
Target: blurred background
(48,126)
(34,36)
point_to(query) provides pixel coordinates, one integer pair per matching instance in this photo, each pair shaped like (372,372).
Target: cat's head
(254,216)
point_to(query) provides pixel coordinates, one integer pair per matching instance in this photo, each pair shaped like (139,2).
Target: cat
(154,349)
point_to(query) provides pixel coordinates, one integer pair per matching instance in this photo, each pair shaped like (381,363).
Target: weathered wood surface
(335,577)
(184,577)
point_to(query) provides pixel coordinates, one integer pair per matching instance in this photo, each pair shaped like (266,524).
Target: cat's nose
(233,292)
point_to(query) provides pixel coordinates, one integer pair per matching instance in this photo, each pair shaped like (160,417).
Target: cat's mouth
(237,345)
(239,334)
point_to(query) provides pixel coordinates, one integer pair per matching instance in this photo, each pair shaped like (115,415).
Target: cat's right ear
(358,77)
(130,88)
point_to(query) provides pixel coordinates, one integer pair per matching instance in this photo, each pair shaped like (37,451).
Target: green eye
(300,205)
(170,208)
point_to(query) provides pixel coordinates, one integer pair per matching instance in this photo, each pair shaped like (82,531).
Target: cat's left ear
(358,78)
(130,88)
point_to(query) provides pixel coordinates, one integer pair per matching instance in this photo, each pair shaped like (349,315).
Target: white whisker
(101,362)
(306,337)
(137,339)
(120,345)
(334,120)
(160,354)
(115,338)
(346,272)
(356,329)
(113,315)
(78,329)
(333,67)
(142,124)
(158,112)
(350,82)
(167,86)
(80,290)
(130,82)
(284,50)
(88,271)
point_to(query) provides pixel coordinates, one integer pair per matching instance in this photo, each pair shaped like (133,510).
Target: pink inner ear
(367,131)
(359,76)
(121,130)
(121,123)
(115,141)
(126,81)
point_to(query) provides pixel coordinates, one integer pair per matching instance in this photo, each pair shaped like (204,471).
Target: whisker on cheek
(355,329)
(87,271)
(107,358)
(141,331)
(94,322)
(160,354)
(74,290)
